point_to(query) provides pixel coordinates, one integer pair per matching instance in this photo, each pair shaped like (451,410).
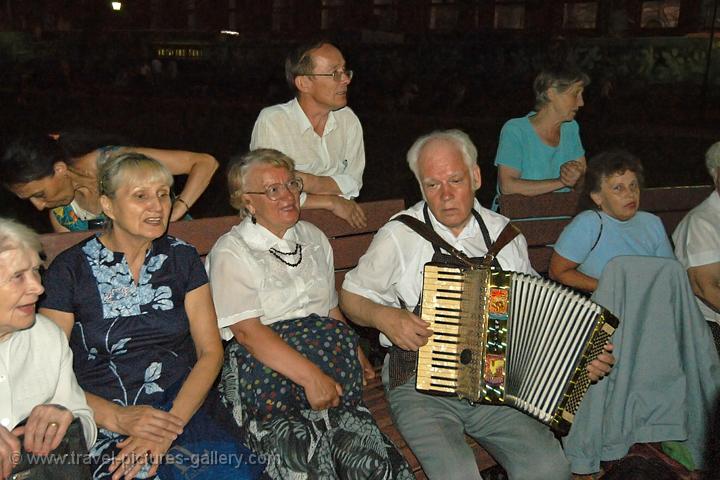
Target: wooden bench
(348,246)
(530,214)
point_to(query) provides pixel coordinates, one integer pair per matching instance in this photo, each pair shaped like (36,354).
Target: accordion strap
(507,235)
(422,229)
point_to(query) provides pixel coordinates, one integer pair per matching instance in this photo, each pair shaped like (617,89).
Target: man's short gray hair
(14,235)
(712,160)
(457,137)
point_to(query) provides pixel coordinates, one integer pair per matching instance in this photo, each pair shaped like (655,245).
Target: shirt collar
(303,122)
(260,238)
(715,199)
(470,231)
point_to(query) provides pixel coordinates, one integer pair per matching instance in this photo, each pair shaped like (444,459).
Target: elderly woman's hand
(45,428)
(322,391)
(349,211)
(9,452)
(134,454)
(602,365)
(571,172)
(148,423)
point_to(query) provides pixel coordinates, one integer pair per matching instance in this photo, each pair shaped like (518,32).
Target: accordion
(511,339)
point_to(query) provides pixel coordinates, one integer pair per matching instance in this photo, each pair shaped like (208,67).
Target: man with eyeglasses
(318,131)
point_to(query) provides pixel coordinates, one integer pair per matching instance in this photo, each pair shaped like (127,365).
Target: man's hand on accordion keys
(406,330)
(602,365)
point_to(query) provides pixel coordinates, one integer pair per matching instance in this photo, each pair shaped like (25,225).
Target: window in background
(660,14)
(443,15)
(509,15)
(581,15)
(283,14)
(385,13)
(331,16)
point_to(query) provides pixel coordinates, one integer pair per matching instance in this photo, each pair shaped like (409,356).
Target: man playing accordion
(383,290)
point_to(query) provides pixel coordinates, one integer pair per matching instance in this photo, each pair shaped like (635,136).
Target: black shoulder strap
(422,229)
(507,235)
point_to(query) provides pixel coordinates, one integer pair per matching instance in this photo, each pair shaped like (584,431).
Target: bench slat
(548,205)
(541,233)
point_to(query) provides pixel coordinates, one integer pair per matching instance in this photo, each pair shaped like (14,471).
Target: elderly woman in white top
(292,375)
(37,383)
(697,246)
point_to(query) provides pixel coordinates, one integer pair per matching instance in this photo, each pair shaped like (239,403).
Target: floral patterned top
(130,341)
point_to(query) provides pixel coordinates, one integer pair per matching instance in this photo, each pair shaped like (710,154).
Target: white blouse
(248,281)
(36,367)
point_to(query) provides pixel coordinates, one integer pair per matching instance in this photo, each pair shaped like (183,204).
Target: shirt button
(2,378)
(5,422)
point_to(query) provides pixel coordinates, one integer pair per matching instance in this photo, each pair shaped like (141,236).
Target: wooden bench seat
(533,215)
(348,246)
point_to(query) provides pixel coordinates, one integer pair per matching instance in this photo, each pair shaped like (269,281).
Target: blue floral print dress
(132,346)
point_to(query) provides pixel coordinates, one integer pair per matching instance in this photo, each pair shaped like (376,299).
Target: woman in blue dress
(611,227)
(137,307)
(542,152)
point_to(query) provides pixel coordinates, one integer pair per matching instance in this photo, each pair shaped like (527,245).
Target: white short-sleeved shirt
(339,153)
(36,367)
(697,241)
(247,281)
(392,268)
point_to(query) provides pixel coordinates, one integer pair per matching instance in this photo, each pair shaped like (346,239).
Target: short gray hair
(560,79)
(460,139)
(14,235)
(239,167)
(712,160)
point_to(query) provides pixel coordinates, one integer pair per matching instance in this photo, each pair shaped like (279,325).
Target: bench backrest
(530,214)
(348,243)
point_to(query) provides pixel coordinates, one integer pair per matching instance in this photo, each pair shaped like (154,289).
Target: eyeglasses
(274,191)
(336,75)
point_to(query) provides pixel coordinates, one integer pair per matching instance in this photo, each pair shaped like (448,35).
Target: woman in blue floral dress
(137,307)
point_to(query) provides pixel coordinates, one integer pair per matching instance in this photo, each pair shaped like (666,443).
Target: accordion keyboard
(450,306)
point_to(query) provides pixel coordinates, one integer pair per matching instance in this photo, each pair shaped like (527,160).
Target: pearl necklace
(277,254)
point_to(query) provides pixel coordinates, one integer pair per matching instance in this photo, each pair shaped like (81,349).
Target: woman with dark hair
(612,225)
(61,175)
(542,152)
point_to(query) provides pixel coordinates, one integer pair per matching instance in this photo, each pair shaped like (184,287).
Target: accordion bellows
(509,338)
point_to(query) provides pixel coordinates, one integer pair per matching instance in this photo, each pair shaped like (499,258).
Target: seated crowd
(129,334)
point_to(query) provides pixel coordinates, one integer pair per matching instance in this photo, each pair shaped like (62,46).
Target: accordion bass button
(466,356)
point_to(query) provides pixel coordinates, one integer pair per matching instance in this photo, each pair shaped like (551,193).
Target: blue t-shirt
(521,148)
(644,235)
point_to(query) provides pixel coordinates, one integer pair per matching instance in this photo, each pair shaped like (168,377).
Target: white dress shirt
(392,268)
(248,281)
(338,153)
(697,241)
(36,367)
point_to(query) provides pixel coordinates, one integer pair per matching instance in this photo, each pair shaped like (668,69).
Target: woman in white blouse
(37,383)
(292,375)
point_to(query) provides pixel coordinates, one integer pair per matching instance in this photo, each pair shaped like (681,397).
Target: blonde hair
(239,167)
(119,169)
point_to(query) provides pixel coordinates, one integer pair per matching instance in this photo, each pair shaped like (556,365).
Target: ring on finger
(53,424)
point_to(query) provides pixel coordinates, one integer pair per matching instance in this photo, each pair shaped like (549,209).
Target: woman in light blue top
(612,228)
(542,152)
